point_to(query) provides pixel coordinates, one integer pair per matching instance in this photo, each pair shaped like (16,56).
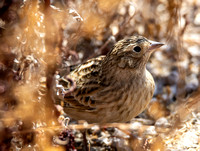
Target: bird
(113,88)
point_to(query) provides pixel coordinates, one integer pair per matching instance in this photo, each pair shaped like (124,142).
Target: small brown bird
(111,88)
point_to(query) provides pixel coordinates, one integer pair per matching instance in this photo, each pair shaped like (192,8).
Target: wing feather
(86,76)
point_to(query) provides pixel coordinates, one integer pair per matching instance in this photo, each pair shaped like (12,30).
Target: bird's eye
(137,49)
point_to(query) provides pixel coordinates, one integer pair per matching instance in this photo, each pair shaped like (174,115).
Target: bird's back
(86,77)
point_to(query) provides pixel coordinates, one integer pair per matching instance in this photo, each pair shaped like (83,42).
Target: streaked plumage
(112,88)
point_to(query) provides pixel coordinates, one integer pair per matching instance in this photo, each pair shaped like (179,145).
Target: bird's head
(132,52)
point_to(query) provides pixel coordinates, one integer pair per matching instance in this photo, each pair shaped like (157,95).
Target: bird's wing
(86,77)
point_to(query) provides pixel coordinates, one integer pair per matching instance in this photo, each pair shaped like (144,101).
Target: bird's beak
(155,45)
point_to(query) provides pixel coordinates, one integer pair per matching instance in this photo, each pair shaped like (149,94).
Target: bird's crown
(132,51)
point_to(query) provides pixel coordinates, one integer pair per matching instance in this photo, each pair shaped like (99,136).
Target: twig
(85,143)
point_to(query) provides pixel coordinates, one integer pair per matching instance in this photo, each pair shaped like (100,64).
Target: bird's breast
(126,100)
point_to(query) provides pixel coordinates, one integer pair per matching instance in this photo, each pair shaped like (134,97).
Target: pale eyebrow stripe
(130,45)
